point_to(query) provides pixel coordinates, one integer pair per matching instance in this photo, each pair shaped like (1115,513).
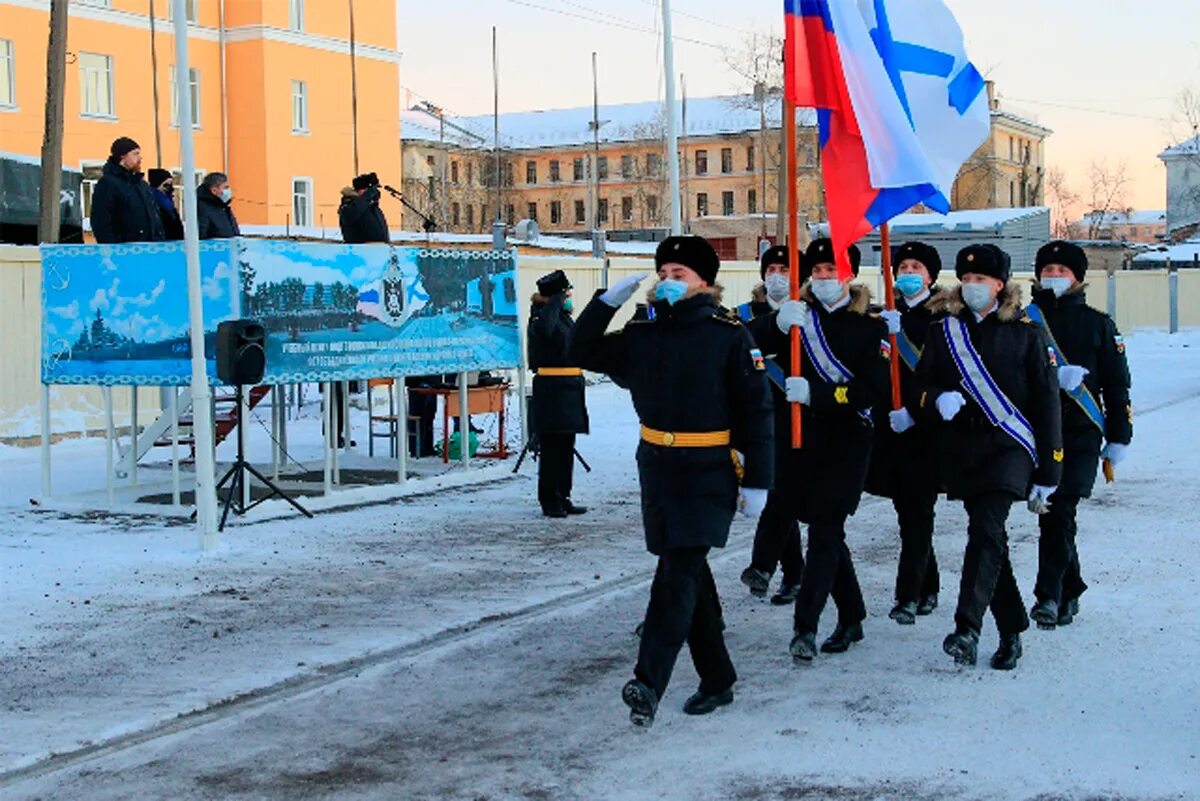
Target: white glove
(1114,452)
(892,318)
(616,295)
(1070,376)
(798,390)
(751,502)
(901,420)
(949,404)
(1039,499)
(792,314)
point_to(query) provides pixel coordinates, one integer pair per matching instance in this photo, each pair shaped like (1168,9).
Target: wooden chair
(391,420)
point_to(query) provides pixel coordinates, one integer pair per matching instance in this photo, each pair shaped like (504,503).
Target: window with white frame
(189,9)
(96,85)
(300,106)
(103,3)
(92,171)
(296,15)
(302,201)
(194,83)
(8,79)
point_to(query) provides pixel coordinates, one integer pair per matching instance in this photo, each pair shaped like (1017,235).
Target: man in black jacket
(214,217)
(162,187)
(1093,379)
(987,380)
(123,210)
(904,465)
(699,387)
(359,215)
(844,375)
(559,411)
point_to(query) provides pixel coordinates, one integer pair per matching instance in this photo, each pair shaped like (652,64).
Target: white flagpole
(202,430)
(672,131)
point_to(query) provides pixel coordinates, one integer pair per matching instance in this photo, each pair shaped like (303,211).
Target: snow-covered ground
(457,645)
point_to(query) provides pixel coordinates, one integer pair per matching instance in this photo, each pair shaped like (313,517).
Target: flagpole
(889,299)
(793,242)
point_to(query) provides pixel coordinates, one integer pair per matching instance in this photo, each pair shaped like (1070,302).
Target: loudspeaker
(241,354)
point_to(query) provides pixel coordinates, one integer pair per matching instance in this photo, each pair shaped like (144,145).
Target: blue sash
(909,352)
(982,388)
(745,313)
(1081,394)
(822,357)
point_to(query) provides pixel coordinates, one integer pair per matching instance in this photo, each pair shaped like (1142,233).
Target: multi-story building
(272,94)
(1127,225)
(1183,188)
(1008,169)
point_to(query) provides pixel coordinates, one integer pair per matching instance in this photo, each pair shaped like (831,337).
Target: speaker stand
(236,476)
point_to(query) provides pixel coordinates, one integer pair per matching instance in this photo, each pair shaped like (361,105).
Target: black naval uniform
(689,369)
(1087,338)
(981,464)
(559,411)
(826,476)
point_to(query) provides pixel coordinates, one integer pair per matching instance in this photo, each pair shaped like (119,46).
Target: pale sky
(1104,74)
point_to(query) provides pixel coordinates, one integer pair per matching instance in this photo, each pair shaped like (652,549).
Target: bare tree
(1107,194)
(1063,202)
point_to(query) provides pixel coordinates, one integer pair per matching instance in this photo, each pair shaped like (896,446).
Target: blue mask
(910,284)
(568,306)
(670,290)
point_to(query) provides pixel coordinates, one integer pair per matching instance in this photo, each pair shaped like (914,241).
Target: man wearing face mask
(844,375)
(699,387)
(986,379)
(558,411)
(1093,379)
(904,459)
(777,541)
(162,187)
(213,213)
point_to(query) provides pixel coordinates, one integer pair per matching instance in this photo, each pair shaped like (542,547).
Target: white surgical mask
(1059,286)
(827,290)
(978,297)
(778,286)
(226,194)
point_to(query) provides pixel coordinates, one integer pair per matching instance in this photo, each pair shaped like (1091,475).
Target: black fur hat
(365,181)
(553,283)
(921,252)
(1058,252)
(690,251)
(775,255)
(820,251)
(984,260)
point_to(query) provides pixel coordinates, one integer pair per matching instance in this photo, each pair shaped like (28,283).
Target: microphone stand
(427,222)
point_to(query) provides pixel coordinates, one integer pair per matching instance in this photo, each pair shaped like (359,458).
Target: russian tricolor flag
(899,105)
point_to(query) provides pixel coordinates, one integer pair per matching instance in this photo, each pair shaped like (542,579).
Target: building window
(727,159)
(555,173)
(510,214)
(454,214)
(189,9)
(626,166)
(653,163)
(95,75)
(299,107)
(702,204)
(555,212)
(752,202)
(470,217)
(601,168)
(92,171)
(727,204)
(531,172)
(626,209)
(8,81)
(750,161)
(531,211)
(101,3)
(470,172)
(430,162)
(577,170)
(652,207)
(508,173)
(701,162)
(602,215)
(580,213)
(1012,145)
(302,201)
(454,173)
(194,88)
(1012,194)
(725,246)
(296,15)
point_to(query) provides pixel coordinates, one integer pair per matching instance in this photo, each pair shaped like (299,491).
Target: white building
(1183,184)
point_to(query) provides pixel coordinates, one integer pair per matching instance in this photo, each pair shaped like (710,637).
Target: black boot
(786,594)
(842,638)
(927,605)
(642,703)
(804,647)
(905,614)
(701,704)
(757,581)
(1008,653)
(963,645)
(1068,611)
(572,509)
(556,512)
(1045,614)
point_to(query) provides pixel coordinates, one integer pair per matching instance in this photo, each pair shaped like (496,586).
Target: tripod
(238,475)
(533,449)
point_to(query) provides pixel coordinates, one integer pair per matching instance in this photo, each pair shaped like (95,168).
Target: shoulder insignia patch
(1058,455)
(729,317)
(757,357)
(1052,356)
(885,349)
(839,395)
(1120,343)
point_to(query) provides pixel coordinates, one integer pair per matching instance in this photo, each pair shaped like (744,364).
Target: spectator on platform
(123,208)
(213,213)
(162,187)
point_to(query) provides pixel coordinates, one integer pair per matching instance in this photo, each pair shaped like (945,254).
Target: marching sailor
(699,386)
(986,377)
(1093,379)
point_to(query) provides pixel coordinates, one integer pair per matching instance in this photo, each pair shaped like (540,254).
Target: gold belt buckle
(668,439)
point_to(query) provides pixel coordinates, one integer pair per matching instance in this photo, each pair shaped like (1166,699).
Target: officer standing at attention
(699,387)
(987,379)
(559,410)
(777,541)
(1093,379)
(904,465)
(844,375)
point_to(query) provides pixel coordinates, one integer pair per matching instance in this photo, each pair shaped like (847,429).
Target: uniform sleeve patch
(757,357)
(1058,455)
(885,349)
(840,395)
(1052,356)
(1119,341)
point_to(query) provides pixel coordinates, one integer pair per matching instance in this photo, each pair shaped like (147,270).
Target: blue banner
(118,314)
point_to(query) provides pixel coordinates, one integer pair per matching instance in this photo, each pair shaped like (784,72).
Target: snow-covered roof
(1131,217)
(546,242)
(36,161)
(1184,252)
(957,221)
(706,116)
(1189,148)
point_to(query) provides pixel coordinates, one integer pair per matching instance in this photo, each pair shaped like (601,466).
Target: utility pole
(154,88)
(760,94)
(683,139)
(445,166)
(353,89)
(597,223)
(499,230)
(672,132)
(50,200)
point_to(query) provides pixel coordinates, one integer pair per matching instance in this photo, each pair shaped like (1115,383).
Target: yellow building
(1008,170)
(272,84)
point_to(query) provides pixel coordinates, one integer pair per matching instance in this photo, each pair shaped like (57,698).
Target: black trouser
(917,576)
(777,540)
(556,469)
(1058,576)
(829,571)
(424,406)
(684,608)
(987,575)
